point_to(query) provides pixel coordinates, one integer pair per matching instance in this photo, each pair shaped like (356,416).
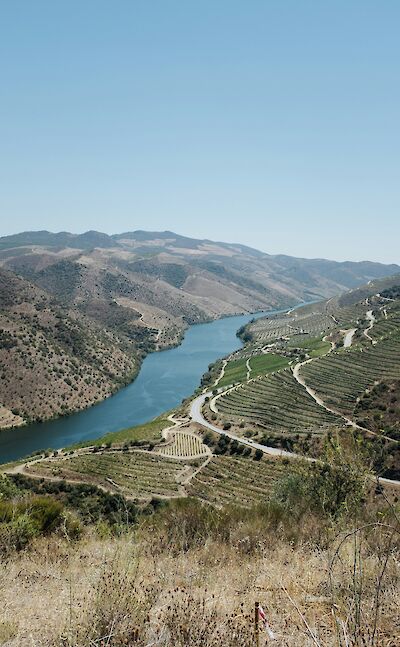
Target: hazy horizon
(228,242)
(273,125)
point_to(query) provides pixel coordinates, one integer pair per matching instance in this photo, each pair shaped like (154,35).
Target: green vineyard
(236,480)
(258,364)
(341,377)
(278,402)
(137,474)
(235,371)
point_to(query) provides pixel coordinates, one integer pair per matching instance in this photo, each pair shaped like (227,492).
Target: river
(164,380)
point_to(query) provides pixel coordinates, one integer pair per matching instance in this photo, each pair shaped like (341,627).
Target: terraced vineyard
(387,326)
(313,324)
(340,377)
(236,480)
(278,402)
(137,474)
(260,364)
(185,445)
(345,315)
(317,319)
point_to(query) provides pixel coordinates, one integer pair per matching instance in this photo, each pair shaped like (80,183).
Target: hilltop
(79,312)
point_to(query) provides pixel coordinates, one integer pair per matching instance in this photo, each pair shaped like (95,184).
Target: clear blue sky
(271,123)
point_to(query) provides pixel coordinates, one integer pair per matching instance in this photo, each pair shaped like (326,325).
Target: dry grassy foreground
(133,590)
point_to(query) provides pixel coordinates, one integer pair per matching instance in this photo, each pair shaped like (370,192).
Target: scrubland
(321,556)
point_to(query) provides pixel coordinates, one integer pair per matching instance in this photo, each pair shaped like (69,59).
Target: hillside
(54,359)
(79,312)
(167,533)
(319,371)
(197,266)
(330,365)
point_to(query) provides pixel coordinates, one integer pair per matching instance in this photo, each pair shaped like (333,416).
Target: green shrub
(335,486)
(46,513)
(16,533)
(6,511)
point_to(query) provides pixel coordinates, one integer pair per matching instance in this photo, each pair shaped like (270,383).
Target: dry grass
(125,591)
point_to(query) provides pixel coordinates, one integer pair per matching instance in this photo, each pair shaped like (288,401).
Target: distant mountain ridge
(92,239)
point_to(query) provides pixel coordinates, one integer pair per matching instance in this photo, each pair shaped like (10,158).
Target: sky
(272,123)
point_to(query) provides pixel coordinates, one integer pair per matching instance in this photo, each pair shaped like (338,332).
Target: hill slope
(53,359)
(96,304)
(323,366)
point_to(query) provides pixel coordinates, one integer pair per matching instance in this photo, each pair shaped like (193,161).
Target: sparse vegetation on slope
(136,474)
(186,574)
(92,306)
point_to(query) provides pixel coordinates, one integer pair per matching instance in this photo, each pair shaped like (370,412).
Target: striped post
(256,628)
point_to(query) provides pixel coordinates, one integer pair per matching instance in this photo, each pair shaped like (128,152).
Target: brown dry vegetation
(174,583)
(52,361)
(322,557)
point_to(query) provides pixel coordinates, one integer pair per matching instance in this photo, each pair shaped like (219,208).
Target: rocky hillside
(78,312)
(53,358)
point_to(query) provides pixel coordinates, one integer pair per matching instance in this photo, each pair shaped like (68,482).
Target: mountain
(55,360)
(118,297)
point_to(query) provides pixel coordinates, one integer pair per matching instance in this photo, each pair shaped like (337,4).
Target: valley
(164,380)
(286,438)
(78,313)
(283,398)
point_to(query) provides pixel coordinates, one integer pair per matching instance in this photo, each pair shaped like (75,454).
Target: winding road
(248,368)
(222,373)
(371,318)
(318,400)
(197,416)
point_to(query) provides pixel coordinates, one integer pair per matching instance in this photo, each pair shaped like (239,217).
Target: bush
(16,534)
(46,513)
(332,487)
(20,521)
(91,503)
(208,438)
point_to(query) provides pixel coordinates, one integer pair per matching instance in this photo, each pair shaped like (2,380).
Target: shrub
(332,487)
(208,438)
(17,533)
(46,513)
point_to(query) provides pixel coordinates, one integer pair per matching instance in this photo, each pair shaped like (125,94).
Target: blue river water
(164,380)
